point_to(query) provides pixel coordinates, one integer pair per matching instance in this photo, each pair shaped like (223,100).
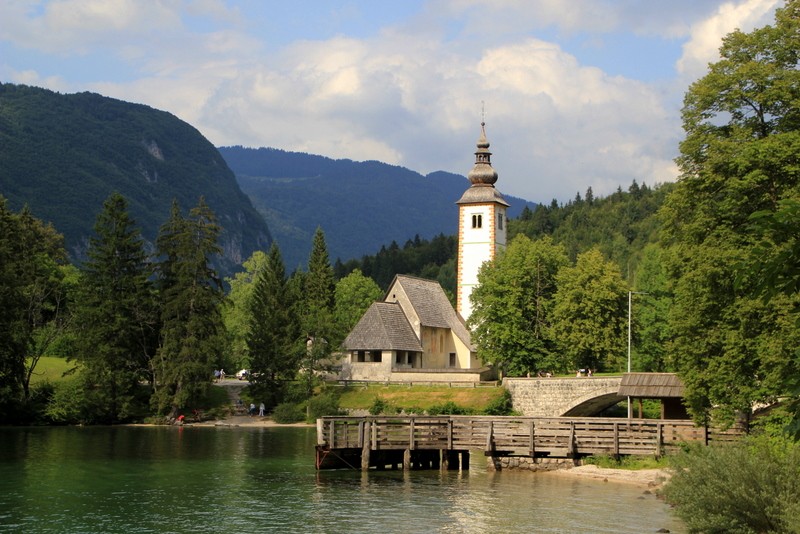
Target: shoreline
(649,478)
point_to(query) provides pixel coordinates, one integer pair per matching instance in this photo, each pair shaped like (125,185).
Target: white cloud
(706,36)
(411,94)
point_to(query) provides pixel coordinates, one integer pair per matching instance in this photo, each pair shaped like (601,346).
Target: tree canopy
(739,157)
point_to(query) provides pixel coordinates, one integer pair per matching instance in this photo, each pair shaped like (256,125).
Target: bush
(382,407)
(288,413)
(326,403)
(751,486)
(502,405)
(448,408)
(68,402)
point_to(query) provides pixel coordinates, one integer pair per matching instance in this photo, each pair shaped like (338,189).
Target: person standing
(261,408)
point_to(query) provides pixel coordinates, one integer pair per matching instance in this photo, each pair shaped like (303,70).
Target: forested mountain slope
(361,206)
(64,154)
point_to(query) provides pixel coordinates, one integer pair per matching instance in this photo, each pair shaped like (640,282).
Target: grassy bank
(419,398)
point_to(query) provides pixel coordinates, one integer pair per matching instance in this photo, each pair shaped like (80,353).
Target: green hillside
(62,155)
(360,205)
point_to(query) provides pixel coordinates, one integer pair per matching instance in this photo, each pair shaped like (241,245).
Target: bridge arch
(556,397)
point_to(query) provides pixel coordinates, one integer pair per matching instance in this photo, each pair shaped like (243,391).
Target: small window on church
(477,221)
(452,359)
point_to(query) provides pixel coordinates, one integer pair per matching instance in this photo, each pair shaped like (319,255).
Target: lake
(222,479)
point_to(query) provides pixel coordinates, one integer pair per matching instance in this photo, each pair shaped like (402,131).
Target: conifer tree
(116,315)
(316,317)
(272,331)
(191,295)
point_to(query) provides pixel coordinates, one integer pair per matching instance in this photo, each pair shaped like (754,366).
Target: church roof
(384,326)
(477,194)
(432,305)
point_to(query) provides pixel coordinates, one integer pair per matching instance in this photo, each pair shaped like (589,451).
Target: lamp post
(630,293)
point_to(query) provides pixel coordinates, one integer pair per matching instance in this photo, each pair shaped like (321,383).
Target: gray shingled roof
(481,194)
(651,385)
(432,306)
(383,327)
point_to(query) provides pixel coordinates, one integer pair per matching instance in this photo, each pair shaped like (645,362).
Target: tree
(236,311)
(774,267)
(191,295)
(512,305)
(590,313)
(272,331)
(739,156)
(353,295)
(650,315)
(316,312)
(116,315)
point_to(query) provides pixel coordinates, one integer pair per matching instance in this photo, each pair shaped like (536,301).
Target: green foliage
(748,487)
(68,403)
(501,405)
(63,154)
(631,463)
(315,313)
(353,295)
(739,157)
(430,259)
(619,225)
(448,408)
(381,406)
(32,295)
(589,313)
(191,294)
(513,304)
(236,311)
(325,403)
(272,331)
(287,413)
(116,315)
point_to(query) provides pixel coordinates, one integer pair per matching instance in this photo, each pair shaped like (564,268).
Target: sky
(574,93)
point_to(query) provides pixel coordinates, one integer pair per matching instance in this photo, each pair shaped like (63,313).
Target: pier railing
(515,436)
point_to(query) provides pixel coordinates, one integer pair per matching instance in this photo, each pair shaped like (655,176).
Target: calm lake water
(142,480)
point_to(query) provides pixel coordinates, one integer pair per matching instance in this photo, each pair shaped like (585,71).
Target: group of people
(252,410)
(219,374)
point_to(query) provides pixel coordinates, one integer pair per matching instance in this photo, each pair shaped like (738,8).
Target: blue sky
(576,93)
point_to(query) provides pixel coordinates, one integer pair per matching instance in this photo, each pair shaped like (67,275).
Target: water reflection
(263,480)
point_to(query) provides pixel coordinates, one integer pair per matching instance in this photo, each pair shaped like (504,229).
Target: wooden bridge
(444,442)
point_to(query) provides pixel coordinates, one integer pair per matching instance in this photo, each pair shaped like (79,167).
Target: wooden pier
(444,442)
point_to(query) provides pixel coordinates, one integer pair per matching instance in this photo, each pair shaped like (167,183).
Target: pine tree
(191,295)
(116,315)
(272,331)
(316,318)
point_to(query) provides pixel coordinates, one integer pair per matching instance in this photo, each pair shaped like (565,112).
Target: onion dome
(483,173)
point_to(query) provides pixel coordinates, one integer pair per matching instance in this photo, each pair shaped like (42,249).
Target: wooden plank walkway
(507,436)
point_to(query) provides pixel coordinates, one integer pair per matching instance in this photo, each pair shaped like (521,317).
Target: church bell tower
(482,224)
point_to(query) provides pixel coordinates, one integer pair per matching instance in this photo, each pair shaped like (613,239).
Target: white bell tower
(482,224)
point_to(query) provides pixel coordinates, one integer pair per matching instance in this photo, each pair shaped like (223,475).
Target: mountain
(360,206)
(62,155)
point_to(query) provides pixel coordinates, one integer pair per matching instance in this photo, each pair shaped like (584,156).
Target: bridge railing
(515,436)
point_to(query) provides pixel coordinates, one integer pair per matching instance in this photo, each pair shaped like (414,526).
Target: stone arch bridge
(557,397)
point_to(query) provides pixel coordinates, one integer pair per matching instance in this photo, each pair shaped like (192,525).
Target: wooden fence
(514,436)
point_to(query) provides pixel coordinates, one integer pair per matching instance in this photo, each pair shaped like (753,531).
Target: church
(414,334)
